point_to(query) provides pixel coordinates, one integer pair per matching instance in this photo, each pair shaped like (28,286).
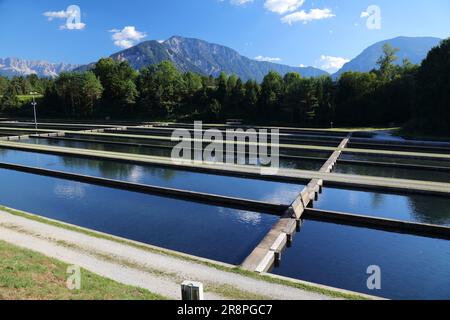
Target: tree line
(392,94)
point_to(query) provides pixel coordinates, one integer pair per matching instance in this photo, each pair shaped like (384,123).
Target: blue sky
(320,33)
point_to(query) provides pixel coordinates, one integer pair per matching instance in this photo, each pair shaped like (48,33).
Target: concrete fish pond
(340,204)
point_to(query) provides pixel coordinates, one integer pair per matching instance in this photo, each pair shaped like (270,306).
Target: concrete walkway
(390,184)
(159,273)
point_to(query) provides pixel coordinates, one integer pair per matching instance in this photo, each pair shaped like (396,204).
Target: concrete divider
(270,249)
(329,165)
(283,175)
(432,156)
(262,258)
(156,146)
(138,137)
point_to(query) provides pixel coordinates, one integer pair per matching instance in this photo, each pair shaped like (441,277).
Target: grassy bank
(27,275)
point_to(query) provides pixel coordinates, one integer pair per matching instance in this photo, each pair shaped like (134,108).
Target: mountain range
(10,67)
(413,48)
(206,58)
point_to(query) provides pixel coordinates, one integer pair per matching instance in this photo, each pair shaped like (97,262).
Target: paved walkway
(127,264)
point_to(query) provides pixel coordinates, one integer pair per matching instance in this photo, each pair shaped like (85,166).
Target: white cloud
(127,37)
(56,15)
(283,6)
(305,17)
(332,64)
(267,59)
(240,2)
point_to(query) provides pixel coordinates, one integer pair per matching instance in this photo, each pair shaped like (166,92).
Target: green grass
(27,97)
(237,270)
(27,275)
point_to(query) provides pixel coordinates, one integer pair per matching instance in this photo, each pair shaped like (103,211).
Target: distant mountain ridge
(413,48)
(10,67)
(189,54)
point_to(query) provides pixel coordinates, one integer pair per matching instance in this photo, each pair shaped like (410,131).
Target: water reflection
(246,217)
(170,178)
(212,232)
(70,190)
(279,194)
(302,164)
(408,207)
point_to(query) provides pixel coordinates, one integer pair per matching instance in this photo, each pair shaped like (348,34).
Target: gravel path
(158,273)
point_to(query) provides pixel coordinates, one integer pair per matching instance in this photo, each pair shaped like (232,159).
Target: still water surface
(212,232)
(393,172)
(408,207)
(412,267)
(166,152)
(268,191)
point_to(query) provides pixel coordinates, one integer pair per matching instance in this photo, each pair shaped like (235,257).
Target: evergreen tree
(9,100)
(118,81)
(271,91)
(4,83)
(161,89)
(432,111)
(386,62)
(78,93)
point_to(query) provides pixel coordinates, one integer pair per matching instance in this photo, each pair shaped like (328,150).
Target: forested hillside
(406,94)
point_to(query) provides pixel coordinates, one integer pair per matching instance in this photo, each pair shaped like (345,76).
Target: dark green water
(165,152)
(299,139)
(392,172)
(253,189)
(217,233)
(411,267)
(49,126)
(407,207)
(400,147)
(394,159)
(281,130)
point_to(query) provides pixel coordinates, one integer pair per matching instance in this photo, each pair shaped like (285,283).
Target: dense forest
(417,97)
